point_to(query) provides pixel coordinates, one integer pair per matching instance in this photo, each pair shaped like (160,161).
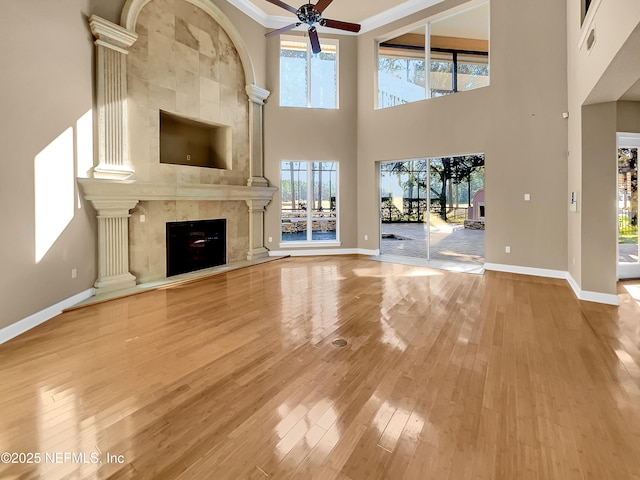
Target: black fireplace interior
(195,245)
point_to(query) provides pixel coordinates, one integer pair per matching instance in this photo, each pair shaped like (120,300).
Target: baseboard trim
(537,272)
(605,298)
(324,251)
(587,296)
(32,321)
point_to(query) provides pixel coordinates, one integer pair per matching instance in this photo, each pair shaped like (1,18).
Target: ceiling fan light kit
(310,14)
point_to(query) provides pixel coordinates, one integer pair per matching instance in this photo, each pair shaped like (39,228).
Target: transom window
(308,80)
(445,56)
(309,202)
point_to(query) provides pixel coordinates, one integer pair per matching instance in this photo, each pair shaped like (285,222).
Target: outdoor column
(112,44)
(257,96)
(256,229)
(113,245)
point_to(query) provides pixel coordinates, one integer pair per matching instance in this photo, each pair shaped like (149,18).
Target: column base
(257,253)
(116,282)
(112,172)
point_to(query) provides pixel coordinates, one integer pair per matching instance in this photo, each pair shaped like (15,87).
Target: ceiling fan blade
(350,27)
(282,30)
(283,5)
(315,42)
(322,4)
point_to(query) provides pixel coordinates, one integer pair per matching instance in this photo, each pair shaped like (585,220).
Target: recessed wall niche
(190,142)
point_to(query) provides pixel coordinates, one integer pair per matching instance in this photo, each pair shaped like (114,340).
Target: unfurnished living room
(197,197)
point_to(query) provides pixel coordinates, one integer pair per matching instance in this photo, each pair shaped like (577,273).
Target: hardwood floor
(445,376)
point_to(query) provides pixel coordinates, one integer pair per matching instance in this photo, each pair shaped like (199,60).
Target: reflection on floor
(461,267)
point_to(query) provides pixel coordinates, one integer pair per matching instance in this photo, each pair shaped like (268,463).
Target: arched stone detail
(132,9)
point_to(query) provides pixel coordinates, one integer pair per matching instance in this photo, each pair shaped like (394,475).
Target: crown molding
(274,21)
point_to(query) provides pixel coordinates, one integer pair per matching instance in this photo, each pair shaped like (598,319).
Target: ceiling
(633,94)
(345,10)
(370,14)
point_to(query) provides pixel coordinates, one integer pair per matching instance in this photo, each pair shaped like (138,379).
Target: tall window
(309,201)
(455,48)
(308,80)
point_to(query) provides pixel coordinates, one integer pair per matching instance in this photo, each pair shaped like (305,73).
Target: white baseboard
(538,272)
(607,299)
(324,251)
(21,326)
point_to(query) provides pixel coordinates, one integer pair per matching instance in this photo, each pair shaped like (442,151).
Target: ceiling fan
(312,14)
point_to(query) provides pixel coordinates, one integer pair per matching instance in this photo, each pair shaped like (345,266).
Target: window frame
(309,212)
(427,50)
(323,41)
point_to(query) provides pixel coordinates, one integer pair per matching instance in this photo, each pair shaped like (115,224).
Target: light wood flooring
(445,376)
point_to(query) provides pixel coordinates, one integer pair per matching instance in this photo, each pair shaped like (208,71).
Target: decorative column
(256,229)
(257,96)
(112,42)
(113,244)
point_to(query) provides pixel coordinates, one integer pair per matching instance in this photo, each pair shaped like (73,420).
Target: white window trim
(326,41)
(314,243)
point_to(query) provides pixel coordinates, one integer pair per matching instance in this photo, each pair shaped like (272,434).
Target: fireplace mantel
(98,190)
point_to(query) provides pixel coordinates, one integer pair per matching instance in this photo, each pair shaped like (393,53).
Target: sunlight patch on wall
(54,191)
(84,144)
(84,148)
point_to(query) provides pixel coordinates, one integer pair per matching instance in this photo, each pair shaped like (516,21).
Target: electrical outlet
(270,239)
(188,158)
(74,273)
(366,237)
(507,249)
(143,218)
(527,197)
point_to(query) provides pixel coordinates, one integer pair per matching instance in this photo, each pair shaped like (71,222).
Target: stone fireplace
(185,62)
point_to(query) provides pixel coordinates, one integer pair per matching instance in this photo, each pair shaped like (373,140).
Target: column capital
(110,207)
(111,35)
(258,205)
(257,94)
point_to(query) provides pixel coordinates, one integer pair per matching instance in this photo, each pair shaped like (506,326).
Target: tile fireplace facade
(186,58)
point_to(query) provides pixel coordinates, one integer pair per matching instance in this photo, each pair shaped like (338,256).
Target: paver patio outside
(448,243)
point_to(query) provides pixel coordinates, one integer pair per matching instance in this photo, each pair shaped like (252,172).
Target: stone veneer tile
(188,83)
(187,12)
(187,174)
(210,110)
(160,23)
(165,173)
(209,43)
(162,73)
(228,75)
(209,67)
(162,98)
(186,58)
(187,211)
(187,105)
(187,34)
(209,89)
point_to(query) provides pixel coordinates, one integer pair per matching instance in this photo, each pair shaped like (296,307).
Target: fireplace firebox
(195,245)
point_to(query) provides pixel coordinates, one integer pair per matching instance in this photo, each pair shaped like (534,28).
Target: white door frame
(625,270)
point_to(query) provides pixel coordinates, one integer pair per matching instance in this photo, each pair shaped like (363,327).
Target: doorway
(433,210)
(628,258)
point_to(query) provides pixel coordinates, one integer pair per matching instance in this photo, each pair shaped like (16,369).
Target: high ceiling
(370,13)
(346,10)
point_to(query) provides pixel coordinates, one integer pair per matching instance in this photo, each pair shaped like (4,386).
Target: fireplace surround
(133,193)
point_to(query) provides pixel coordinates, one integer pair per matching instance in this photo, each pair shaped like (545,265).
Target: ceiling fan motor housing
(308,14)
